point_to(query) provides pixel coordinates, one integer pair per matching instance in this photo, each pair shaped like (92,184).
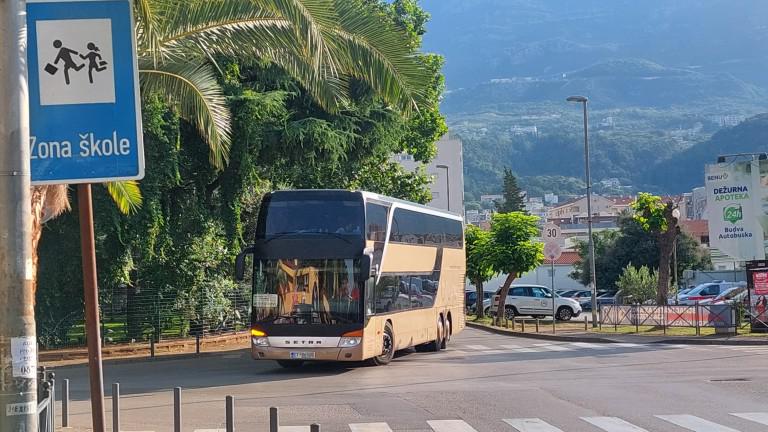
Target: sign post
(85,122)
(551,234)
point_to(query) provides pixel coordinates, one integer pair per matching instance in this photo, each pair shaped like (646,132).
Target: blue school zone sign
(84,109)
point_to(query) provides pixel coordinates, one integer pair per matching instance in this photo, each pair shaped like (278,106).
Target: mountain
(663,78)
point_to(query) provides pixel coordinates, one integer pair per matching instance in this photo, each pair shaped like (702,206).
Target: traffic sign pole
(91,291)
(554,311)
(18,346)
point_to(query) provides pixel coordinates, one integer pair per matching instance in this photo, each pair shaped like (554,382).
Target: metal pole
(90,284)
(53,401)
(116,407)
(674,260)
(177,409)
(274,420)
(197,343)
(554,317)
(18,369)
(230,414)
(65,403)
(593,277)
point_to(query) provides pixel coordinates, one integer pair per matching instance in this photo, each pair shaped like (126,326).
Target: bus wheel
(447,333)
(290,364)
(437,344)
(388,347)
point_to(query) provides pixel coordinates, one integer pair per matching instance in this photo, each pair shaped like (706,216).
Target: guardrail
(723,318)
(46,400)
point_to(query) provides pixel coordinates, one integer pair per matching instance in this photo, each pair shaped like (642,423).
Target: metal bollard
(65,404)
(197,343)
(115,407)
(698,328)
(314,427)
(514,320)
(585,323)
(274,421)
(152,347)
(230,414)
(177,409)
(537,325)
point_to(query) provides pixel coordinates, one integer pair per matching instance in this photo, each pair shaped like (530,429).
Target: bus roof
(371,195)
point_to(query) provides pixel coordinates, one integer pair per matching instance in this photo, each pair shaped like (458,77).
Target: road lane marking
(450,426)
(757,417)
(589,345)
(531,425)
(369,427)
(695,424)
(478,347)
(613,424)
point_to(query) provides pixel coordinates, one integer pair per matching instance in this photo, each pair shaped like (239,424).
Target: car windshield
(320,291)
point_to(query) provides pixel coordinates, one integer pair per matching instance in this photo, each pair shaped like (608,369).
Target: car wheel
(564,313)
(388,347)
(509,312)
(290,364)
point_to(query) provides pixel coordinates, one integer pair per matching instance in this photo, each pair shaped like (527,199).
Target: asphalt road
(483,382)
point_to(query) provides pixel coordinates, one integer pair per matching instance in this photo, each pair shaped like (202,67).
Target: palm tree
(323,44)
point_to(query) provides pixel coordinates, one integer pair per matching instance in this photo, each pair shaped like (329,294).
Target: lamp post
(676,215)
(447,185)
(583,100)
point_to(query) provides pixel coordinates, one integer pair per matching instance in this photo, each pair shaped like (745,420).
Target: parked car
(604,297)
(535,301)
(706,291)
(470,299)
(732,295)
(579,295)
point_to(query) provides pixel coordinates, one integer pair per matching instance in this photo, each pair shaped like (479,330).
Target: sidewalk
(603,337)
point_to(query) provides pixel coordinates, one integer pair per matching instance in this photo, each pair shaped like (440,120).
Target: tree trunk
(47,203)
(666,242)
(503,297)
(479,304)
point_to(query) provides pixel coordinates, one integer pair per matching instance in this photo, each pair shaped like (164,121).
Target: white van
(536,301)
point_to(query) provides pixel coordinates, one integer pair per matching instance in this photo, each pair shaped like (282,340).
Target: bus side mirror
(365,267)
(240,262)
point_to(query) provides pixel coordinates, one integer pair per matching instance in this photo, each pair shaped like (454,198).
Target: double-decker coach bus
(350,276)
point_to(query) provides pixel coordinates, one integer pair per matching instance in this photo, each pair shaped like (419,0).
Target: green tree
(513,250)
(657,218)
(615,250)
(638,283)
(479,269)
(514,198)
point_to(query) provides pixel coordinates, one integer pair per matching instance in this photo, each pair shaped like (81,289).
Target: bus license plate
(303,355)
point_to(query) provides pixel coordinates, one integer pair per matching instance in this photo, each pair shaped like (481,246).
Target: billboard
(736,194)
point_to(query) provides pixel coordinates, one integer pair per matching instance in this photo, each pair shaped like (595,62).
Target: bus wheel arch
(388,346)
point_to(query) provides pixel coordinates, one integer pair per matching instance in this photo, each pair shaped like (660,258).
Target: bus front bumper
(308,354)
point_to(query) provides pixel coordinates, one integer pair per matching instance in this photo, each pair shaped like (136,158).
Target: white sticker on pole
(265,300)
(24,356)
(18,409)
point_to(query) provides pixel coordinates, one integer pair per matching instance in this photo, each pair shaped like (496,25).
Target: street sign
(84,110)
(552,251)
(550,233)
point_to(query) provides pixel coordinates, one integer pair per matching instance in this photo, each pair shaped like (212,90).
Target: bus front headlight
(260,341)
(349,342)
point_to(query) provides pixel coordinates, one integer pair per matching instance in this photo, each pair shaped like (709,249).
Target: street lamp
(676,215)
(447,185)
(583,100)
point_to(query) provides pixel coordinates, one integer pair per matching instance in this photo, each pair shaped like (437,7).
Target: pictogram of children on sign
(65,55)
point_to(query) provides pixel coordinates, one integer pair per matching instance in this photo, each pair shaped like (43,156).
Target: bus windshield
(296,215)
(319,291)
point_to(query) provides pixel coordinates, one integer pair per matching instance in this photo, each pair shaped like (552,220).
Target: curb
(147,359)
(604,340)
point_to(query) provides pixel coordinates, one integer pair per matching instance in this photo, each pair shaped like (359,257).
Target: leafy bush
(639,283)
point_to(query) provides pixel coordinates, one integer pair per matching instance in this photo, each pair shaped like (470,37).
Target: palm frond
(193,89)
(379,54)
(147,31)
(126,195)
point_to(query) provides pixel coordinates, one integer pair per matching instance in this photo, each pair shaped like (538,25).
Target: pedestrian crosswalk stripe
(531,425)
(369,427)
(695,424)
(478,347)
(629,345)
(210,430)
(495,352)
(450,426)
(527,350)
(757,417)
(510,347)
(556,348)
(588,345)
(613,424)
(294,429)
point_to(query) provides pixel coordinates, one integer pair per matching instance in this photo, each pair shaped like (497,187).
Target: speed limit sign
(551,233)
